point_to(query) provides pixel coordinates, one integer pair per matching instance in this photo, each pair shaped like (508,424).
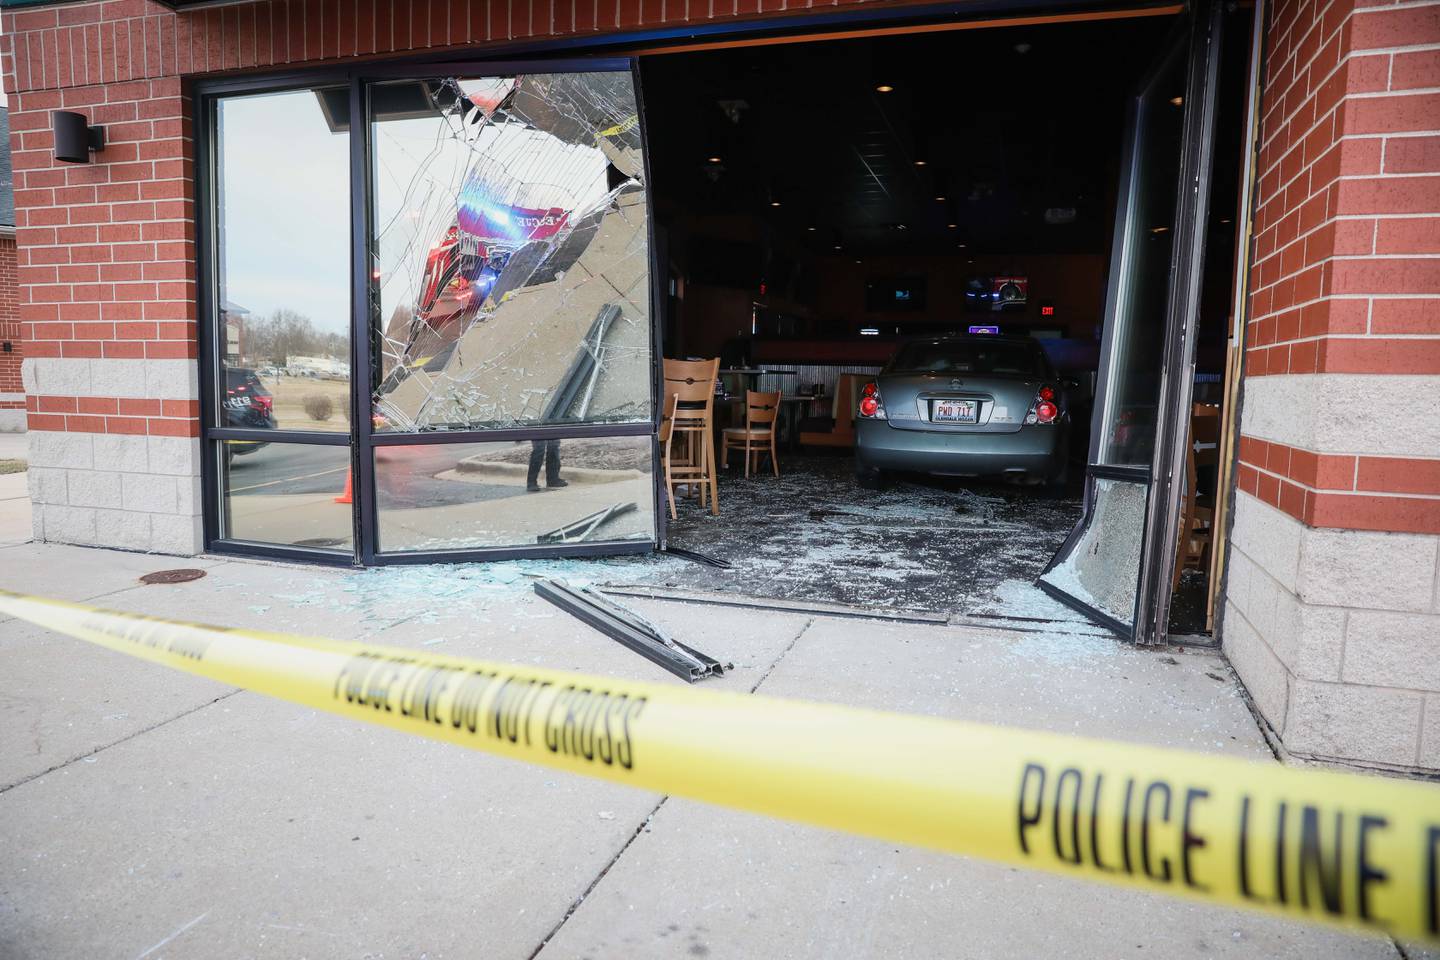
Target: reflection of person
(549,452)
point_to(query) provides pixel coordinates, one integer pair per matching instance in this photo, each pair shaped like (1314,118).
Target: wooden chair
(1198,511)
(758,434)
(692,384)
(842,429)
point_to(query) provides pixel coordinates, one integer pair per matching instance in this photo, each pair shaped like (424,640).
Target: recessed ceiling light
(941,198)
(774,203)
(713,160)
(952,226)
(919,163)
(837,246)
(811,229)
(857,261)
(960,245)
(901,226)
(884,88)
(1159,229)
(1177,101)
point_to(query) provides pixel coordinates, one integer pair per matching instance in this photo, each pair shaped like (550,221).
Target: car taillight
(872,407)
(1044,409)
(263,403)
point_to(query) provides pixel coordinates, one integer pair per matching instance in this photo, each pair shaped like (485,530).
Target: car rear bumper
(1033,451)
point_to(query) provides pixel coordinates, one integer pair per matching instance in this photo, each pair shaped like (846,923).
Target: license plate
(953,411)
(237,403)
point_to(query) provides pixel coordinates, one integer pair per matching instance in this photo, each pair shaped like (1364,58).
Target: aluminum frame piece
(631,630)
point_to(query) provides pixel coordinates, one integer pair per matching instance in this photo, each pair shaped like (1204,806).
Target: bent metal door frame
(1159,536)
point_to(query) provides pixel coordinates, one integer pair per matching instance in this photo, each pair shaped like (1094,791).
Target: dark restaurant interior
(817,204)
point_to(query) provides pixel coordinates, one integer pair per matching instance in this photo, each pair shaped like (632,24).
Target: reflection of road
(407,476)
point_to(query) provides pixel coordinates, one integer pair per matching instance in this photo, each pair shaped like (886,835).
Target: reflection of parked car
(964,406)
(247,405)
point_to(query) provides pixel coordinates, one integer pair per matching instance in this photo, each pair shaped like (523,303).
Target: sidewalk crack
(590,888)
(598,877)
(115,743)
(783,653)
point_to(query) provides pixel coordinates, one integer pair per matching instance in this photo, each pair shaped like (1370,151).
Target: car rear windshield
(969,356)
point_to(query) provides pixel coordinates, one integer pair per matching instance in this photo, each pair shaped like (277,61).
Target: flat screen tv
(895,295)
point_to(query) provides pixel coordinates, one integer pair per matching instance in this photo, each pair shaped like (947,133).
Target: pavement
(146,813)
(14,492)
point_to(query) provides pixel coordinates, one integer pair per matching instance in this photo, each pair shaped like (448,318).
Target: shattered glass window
(510,280)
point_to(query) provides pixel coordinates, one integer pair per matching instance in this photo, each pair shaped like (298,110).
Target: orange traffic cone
(348,495)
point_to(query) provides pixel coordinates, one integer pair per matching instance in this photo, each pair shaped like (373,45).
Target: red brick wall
(1345,276)
(9,328)
(107,249)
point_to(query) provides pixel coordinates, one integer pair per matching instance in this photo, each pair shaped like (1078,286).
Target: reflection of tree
(285,333)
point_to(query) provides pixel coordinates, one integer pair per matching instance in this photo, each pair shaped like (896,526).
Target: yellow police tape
(1309,844)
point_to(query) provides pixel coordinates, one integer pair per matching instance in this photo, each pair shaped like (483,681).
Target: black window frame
(361,439)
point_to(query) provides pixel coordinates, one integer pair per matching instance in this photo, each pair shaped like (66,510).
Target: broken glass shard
(1102,568)
(510,283)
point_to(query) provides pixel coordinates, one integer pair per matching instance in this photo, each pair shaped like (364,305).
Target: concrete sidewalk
(14,492)
(146,813)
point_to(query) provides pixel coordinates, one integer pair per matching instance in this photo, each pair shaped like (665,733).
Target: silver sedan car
(964,406)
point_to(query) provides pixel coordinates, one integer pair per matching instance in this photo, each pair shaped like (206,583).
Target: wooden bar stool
(692,384)
(758,434)
(667,439)
(1198,508)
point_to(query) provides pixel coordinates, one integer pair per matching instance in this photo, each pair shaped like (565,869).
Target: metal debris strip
(631,630)
(179,575)
(695,556)
(512,268)
(585,527)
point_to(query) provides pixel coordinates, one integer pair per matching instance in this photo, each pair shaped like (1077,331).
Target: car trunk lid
(957,404)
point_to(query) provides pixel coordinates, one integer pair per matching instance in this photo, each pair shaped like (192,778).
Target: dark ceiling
(1018,129)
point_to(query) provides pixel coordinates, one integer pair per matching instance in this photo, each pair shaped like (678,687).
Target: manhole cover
(183,575)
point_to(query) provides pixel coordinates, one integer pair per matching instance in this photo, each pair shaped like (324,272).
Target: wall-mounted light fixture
(75,139)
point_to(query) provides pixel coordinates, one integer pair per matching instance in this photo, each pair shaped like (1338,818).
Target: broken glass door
(1105,566)
(511,346)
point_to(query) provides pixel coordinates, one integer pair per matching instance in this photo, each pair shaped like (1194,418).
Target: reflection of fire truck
(463,266)
(462,269)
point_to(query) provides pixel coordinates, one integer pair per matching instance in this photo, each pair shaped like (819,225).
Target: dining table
(752,375)
(792,408)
